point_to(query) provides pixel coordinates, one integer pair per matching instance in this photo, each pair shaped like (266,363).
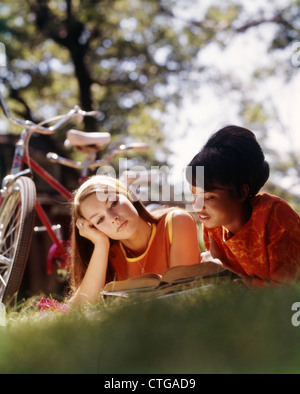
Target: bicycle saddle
(83,140)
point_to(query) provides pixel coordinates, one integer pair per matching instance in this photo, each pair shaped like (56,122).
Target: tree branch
(276,19)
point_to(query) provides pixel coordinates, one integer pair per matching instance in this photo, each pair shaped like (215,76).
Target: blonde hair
(82,248)
(99,184)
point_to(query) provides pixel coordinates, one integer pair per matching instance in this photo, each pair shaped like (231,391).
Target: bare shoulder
(183,219)
(184,246)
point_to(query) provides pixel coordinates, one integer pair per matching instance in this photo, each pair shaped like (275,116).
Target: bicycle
(18,198)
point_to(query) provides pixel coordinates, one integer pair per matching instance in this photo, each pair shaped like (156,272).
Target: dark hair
(231,158)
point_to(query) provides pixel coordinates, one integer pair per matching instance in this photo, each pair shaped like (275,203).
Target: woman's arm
(283,244)
(185,246)
(95,276)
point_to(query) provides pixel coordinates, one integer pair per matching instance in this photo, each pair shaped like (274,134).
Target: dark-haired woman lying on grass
(255,235)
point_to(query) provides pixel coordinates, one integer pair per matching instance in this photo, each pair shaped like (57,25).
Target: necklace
(132,255)
(142,266)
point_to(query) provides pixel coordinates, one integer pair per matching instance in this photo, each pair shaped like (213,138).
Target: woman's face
(111,213)
(217,208)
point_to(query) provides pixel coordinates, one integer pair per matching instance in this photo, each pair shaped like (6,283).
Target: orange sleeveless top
(155,259)
(267,247)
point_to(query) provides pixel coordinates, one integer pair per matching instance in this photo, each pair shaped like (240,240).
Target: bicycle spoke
(2,280)
(13,222)
(5,264)
(4,261)
(16,226)
(13,227)
(10,232)
(12,203)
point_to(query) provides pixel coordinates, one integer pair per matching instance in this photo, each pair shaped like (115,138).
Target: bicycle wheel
(17,213)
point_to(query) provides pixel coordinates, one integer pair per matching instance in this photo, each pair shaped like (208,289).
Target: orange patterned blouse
(267,248)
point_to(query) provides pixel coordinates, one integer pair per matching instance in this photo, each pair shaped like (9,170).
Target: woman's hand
(87,230)
(95,276)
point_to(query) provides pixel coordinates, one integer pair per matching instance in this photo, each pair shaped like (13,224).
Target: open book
(176,278)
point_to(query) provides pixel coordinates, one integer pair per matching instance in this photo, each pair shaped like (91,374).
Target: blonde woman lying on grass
(115,237)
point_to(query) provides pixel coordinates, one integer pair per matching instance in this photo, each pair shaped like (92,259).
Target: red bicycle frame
(40,211)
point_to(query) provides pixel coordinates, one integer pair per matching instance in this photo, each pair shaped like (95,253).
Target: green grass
(224,329)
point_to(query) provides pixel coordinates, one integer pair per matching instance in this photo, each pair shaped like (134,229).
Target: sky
(205,110)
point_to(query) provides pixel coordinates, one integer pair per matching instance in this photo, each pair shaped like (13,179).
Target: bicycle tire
(17,214)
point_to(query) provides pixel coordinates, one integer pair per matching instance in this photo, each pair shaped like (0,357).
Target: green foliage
(254,113)
(288,23)
(112,55)
(117,56)
(129,59)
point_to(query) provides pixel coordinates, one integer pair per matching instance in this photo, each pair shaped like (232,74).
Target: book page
(181,272)
(146,280)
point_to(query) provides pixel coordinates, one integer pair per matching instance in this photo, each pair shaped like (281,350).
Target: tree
(285,42)
(117,56)
(129,59)
(258,108)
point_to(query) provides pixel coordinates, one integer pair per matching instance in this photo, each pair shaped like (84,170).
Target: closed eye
(100,220)
(113,204)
